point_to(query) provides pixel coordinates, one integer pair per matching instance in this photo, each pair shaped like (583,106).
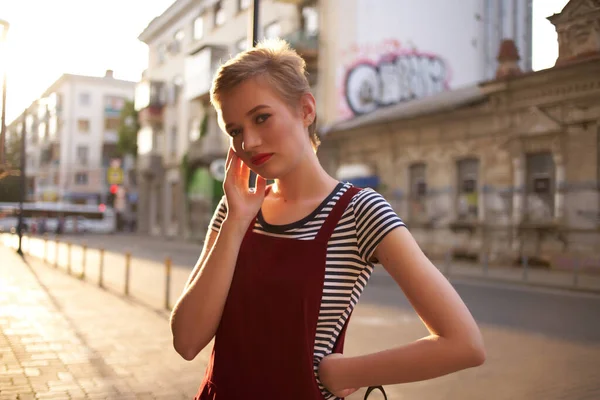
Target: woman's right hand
(242,202)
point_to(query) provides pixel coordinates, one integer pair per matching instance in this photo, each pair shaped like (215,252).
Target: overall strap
(336,213)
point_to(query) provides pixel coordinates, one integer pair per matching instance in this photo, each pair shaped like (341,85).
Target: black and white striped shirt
(365,222)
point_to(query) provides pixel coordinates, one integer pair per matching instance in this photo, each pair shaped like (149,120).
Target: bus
(74,217)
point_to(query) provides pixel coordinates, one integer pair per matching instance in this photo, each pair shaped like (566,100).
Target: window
(111,123)
(173,144)
(177,43)
(84,99)
(83,125)
(241,45)
(161,53)
(244,4)
(81,178)
(174,202)
(418,190)
(468,178)
(310,20)
(540,186)
(219,14)
(273,30)
(82,155)
(198,27)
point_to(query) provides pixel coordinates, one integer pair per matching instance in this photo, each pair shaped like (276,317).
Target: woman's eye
(234,132)
(262,118)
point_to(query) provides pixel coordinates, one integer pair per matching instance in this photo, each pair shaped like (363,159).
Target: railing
(158,284)
(152,283)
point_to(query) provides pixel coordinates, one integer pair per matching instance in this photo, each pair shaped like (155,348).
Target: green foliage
(128,130)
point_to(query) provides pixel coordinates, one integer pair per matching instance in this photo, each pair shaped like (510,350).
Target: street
(541,343)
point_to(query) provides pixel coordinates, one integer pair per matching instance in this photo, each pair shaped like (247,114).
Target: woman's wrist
(235,226)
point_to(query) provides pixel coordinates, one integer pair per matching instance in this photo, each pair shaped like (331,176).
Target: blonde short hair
(274,61)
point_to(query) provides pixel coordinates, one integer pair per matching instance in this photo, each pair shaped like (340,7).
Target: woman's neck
(306,181)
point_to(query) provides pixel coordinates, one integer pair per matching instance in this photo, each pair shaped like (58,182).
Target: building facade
(71,133)
(380,53)
(181,148)
(502,169)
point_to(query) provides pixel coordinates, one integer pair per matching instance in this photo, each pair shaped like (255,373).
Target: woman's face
(266,133)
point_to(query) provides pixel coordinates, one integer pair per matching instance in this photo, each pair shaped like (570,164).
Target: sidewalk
(62,338)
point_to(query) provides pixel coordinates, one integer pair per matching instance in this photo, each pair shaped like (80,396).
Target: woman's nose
(251,140)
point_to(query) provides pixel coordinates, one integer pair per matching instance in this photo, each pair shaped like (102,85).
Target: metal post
(69,258)
(56,243)
(167,282)
(254,24)
(576,272)
(525,260)
(252,41)
(5,26)
(101,269)
(45,247)
(127,272)
(83,260)
(486,262)
(23,184)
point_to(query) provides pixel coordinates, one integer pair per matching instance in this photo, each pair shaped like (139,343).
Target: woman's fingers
(260,185)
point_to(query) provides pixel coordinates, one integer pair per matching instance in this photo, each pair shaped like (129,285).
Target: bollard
(448,260)
(525,261)
(83,260)
(486,263)
(576,272)
(45,248)
(101,269)
(167,282)
(127,272)
(69,258)
(56,243)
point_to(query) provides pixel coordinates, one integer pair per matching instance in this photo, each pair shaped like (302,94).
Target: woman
(283,266)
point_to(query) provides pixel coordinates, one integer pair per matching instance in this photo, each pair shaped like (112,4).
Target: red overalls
(264,346)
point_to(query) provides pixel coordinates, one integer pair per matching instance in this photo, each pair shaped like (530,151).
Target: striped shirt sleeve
(219,215)
(374,218)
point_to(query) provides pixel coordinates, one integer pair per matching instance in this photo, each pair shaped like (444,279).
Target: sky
(50,37)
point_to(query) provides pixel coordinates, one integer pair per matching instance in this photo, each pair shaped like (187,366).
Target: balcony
(307,45)
(150,99)
(200,67)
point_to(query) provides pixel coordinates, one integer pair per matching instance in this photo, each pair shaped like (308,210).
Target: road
(541,343)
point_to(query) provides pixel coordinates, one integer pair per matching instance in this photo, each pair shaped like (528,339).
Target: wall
(377,53)
(556,111)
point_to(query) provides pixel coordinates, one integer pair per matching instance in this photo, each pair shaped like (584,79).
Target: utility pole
(5,25)
(253,39)
(21,222)
(254,24)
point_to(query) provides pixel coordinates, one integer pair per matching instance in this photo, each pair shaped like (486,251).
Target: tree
(128,129)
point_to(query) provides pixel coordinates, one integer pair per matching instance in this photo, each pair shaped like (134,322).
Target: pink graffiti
(386,73)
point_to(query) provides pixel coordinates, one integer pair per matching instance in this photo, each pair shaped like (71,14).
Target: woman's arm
(197,313)
(454,343)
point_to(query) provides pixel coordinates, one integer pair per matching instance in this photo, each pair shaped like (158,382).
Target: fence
(159,283)
(153,283)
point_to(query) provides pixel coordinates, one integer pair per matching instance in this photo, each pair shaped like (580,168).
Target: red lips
(261,158)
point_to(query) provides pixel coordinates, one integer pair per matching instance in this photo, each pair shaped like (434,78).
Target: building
(501,169)
(380,53)
(179,139)
(71,133)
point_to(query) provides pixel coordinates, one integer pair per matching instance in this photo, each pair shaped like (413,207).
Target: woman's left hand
(327,375)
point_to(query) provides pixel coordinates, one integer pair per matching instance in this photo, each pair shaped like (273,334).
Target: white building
(179,137)
(383,52)
(71,133)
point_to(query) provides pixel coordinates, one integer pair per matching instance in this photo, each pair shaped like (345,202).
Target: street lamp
(5,25)
(21,223)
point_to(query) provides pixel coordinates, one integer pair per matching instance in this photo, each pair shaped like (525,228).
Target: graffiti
(393,78)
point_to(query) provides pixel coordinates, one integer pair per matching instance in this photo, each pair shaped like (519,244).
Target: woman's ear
(309,109)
